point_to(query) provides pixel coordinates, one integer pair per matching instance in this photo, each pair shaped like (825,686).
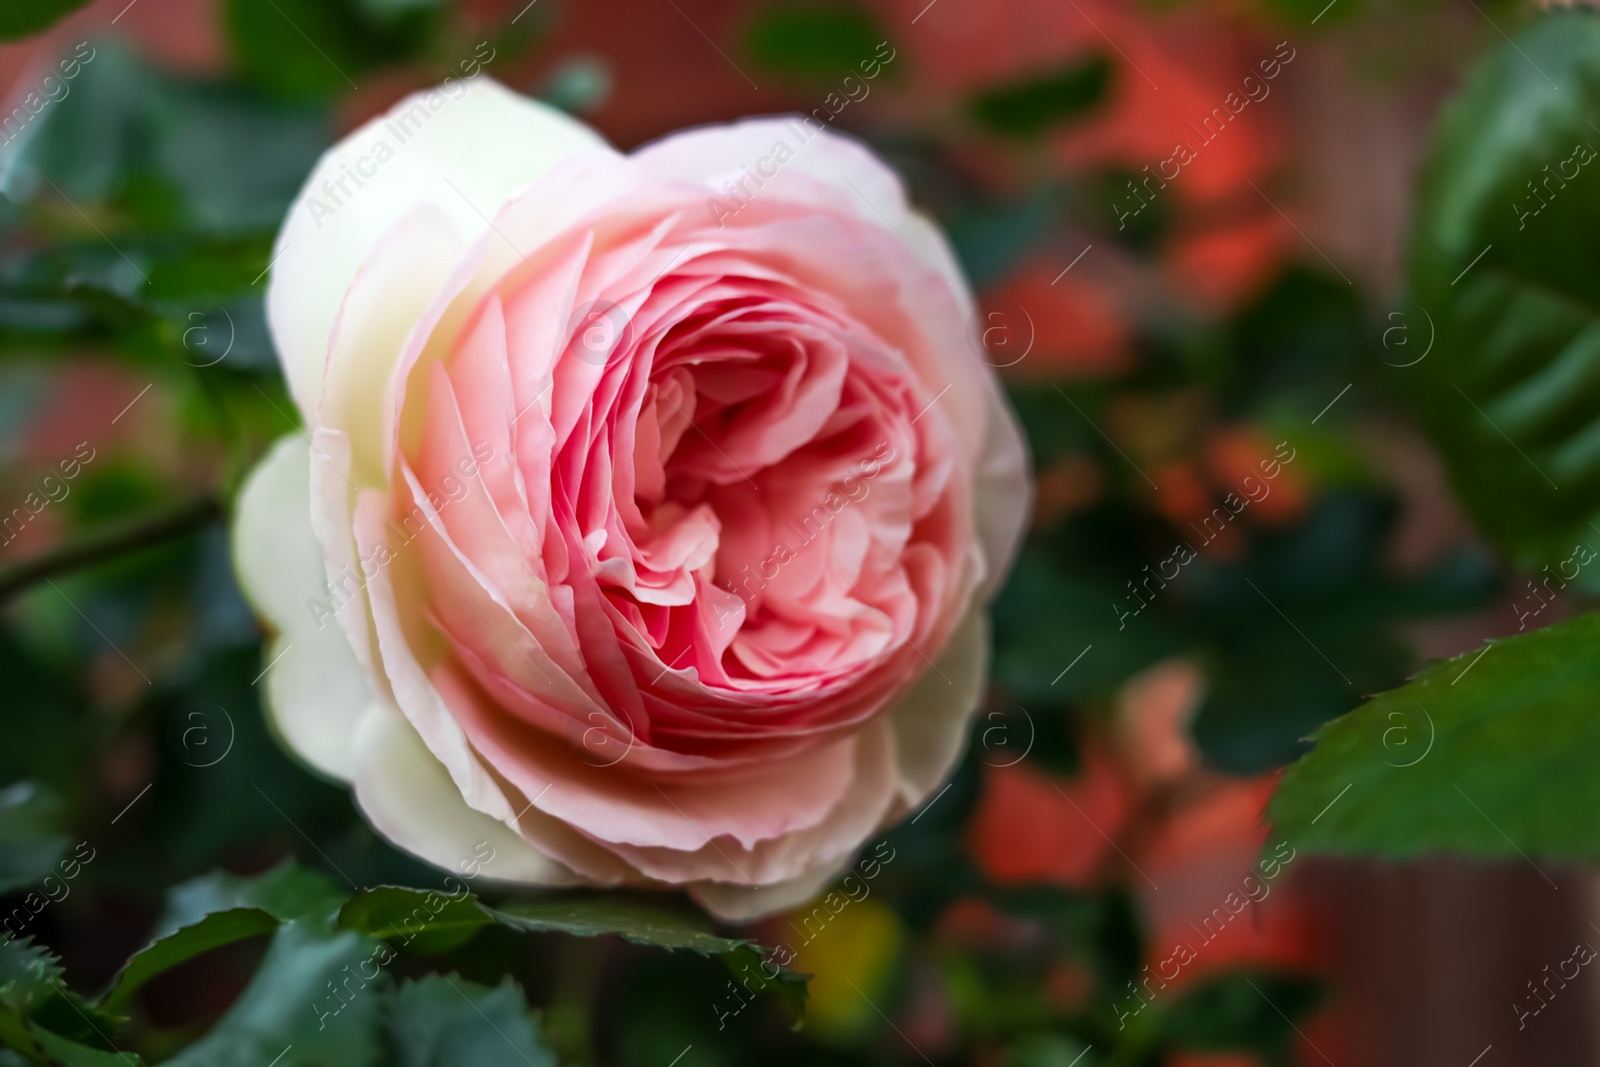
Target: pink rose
(648,504)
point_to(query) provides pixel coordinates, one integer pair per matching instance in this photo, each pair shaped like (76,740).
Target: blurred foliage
(1028,108)
(23,18)
(816,42)
(1503,262)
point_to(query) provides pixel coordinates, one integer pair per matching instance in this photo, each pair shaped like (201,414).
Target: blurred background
(1169,322)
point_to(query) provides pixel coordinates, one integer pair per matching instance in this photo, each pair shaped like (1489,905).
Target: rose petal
(463,156)
(315,688)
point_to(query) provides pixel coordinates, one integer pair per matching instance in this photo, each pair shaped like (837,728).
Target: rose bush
(647,505)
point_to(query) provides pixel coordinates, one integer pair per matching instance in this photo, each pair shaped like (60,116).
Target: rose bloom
(647,507)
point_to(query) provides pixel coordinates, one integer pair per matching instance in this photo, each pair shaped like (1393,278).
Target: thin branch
(120,541)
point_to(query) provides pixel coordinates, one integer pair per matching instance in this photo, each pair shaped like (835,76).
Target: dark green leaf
(1029,108)
(29,975)
(309,48)
(1504,264)
(1241,1011)
(1049,1050)
(23,18)
(215,930)
(1487,754)
(67,1053)
(316,1000)
(41,1018)
(447,1021)
(168,151)
(636,921)
(818,42)
(424,921)
(434,922)
(287,891)
(30,835)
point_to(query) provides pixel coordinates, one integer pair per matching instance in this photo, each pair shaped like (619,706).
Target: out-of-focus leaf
(992,239)
(1029,108)
(1487,754)
(1297,346)
(170,152)
(1317,13)
(1050,1050)
(29,975)
(23,18)
(817,42)
(1290,636)
(215,930)
(67,1053)
(30,834)
(1241,1011)
(447,1021)
(1504,264)
(41,1018)
(311,48)
(316,1000)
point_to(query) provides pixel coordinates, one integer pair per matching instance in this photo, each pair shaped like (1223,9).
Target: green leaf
(1488,754)
(171,153)
(23,18)
(286,892)
(1049,1050)
(433,922)
(447,1021)
(71,1054)
(29,975)
(310,48)
(637,921)
(1504,265)
(30,835)
(316,1000)
(215,930)
(1244,1011)
(42,1019)
(817,42)
(1028,108)
(422,920)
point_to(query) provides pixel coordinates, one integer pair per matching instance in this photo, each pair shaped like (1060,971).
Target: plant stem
(132,537)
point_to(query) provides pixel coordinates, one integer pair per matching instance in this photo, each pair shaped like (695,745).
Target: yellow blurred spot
(851,953)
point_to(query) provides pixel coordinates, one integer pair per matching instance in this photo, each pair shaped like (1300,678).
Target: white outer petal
(736,903)
(315,689)
(466,157)
(930,723)
(410,798)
